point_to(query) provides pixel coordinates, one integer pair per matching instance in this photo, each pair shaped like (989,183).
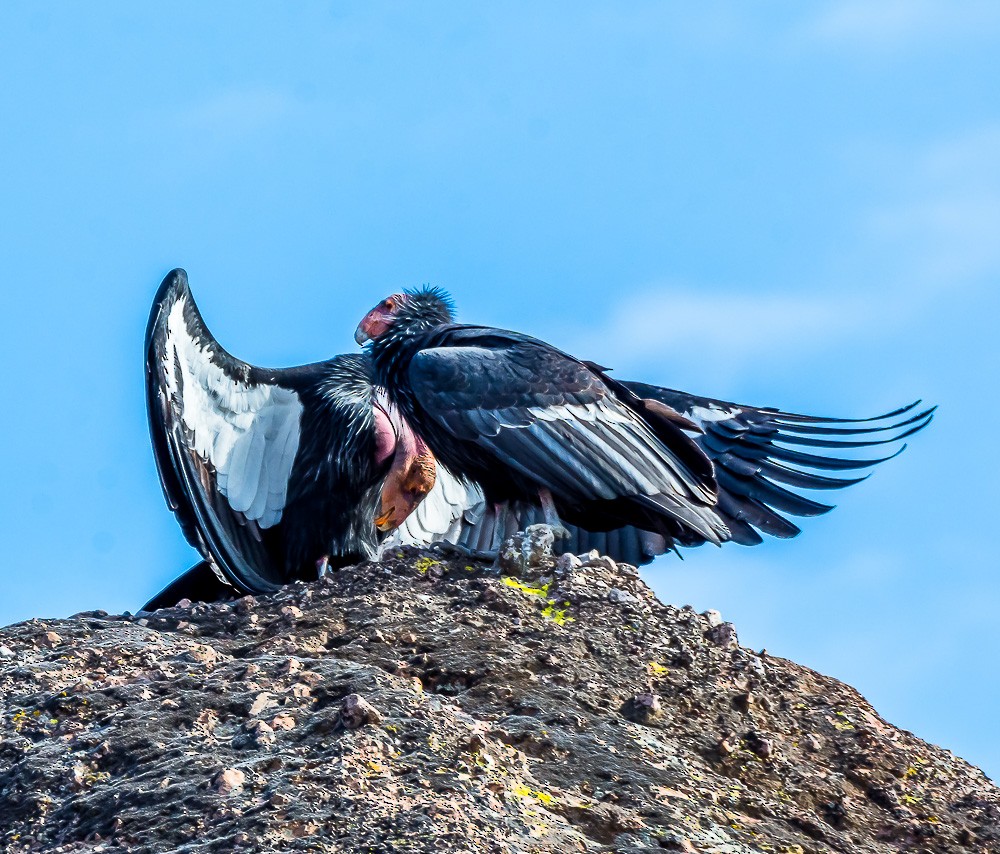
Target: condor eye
(390,304)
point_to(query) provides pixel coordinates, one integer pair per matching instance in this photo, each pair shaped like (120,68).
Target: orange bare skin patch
(412,471)
(411,477)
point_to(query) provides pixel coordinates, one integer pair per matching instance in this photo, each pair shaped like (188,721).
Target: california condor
(274,475)
(533,426)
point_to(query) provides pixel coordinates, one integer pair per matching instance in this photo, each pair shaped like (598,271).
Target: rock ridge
(429,703)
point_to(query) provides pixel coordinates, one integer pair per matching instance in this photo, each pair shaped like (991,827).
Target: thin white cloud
(708,332)
(891,24)
(934,235)
(237,112)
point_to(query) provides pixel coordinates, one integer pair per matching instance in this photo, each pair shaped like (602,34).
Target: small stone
(245,605)
(356,711)
(813,742)
(279,799)
(675,842)
(643,708)
(262,733)
(78,776)
(602,562)
(283,721)
(723,634)
(184,603)
(568,562)
(228,781)
(261,702)
(530,549)
(50,640)
(714,617)
(6,652)
(622,597)
(290,612)
(728,744)
(290,666)
(760,745)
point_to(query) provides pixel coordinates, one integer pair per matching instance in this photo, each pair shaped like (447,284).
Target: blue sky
(790,204)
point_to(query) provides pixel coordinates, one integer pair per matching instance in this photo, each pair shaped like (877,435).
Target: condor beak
(374,325)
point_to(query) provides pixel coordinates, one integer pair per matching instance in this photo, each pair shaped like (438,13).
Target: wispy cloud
(236,113)
(891,24)
(707,332)
(934,234)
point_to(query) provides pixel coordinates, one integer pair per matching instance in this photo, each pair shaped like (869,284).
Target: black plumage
(749,448)
(525,421)
(268,471)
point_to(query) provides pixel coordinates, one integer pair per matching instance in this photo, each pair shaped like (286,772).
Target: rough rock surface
(429,704)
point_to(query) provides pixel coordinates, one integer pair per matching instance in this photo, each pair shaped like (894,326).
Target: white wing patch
(705,414)
(439,516)
(249,433)
(588,412)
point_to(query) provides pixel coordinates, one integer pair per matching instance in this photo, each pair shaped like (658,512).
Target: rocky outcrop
(431,704)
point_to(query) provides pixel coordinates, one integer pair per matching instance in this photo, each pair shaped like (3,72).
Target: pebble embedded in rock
(622,597)
(228,781)
(283,721)
(50,640)
(262,733)
(245,604)
(728,744)
(261,702)
(356,711)
(601,562)
(568,562)
(723,634)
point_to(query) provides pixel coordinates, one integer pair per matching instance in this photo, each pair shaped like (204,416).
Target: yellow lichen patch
(557,615)
(656,669)
(543,798)
(542,590)
(424,564)
(845,722)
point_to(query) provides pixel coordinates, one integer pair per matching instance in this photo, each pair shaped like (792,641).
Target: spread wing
(225,435)
(554,422)
(759,452)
